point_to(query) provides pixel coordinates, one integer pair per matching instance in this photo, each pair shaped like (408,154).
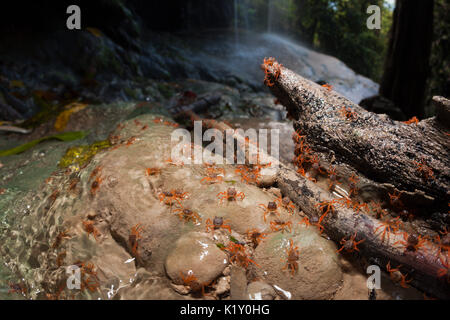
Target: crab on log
(403,164)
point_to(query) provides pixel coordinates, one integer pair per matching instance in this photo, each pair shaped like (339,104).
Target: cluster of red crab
(89,278)
(305,161)
(271,76)
(237,251)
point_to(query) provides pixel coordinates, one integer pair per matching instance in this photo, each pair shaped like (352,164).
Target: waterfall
(236,35)
(269,15)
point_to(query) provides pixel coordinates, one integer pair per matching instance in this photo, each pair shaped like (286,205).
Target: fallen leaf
(16,84)
(95,32)
(66,136)
(63,117)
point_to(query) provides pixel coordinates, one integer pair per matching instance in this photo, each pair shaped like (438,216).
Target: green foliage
(439,61)
(66,136)
(335,27)
(339,28)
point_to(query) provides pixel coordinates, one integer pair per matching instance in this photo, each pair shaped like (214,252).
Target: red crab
(95,186)
(270,208)
(152,171)
(394,199)
(60,237)
(350,245)
(133,238)
(326,207)
(238,255)
(412,242)
(286,203)
(90,229)
(211,168)
(353,183)
(412,120)
(217,223)
(173,196)
(377,209)
(443,243)
(332,175)
(445,271)
(271,77)
(348,114)
(315,163)
(188,214)
(231,195)
(388,227)
(255,236)
(394,273)
(191,281)
(212,178)
(279,225)
(424,169)
(292,258)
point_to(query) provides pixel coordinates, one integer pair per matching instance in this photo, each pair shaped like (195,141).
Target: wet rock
(259,290)
(181,289)
(238,284)
(194,253)
(149,288)
(318,274)
(222,286)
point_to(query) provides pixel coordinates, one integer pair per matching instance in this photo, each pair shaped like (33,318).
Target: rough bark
(407,60)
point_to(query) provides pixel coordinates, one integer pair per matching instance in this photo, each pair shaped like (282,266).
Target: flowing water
(214,56)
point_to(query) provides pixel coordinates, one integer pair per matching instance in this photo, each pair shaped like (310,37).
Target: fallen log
(384,150)
(386,155)
(421,266)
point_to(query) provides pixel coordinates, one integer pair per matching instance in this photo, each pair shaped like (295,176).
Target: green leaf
(234,239)
(65,136)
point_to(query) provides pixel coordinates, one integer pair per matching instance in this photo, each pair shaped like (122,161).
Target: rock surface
(195,254)
(318,275)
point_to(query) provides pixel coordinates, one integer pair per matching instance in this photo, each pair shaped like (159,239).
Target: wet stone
(314,273)
(195,255)
(259,290)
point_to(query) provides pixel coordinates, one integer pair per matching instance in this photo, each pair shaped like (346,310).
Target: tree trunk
(407,62)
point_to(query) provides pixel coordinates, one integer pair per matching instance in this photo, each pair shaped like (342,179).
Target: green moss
(80,155)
